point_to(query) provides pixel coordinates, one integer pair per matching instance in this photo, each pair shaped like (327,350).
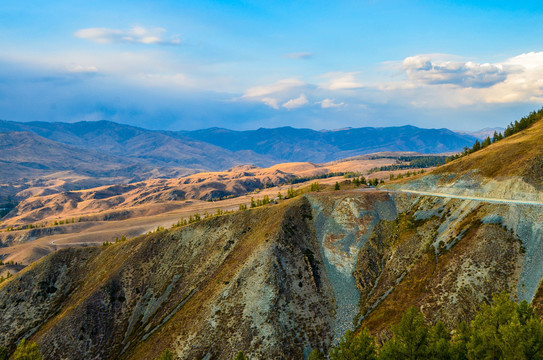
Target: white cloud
(329,103)
(276,87)
(341,81)
(134,35)
(456,83)
(299,55)
(466,74)
(297,102)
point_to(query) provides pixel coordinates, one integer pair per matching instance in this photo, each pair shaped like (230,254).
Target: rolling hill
(33,165)
(69,156)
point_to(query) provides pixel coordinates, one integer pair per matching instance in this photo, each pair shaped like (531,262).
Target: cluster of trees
(166,355)
(478,145)
(503,329)
(523,123)
(292,193)
(44,225)
(407,174)
(298,180)
(315,187)
(11,262)
(512,128)
(357,181)
(352,174)
(26,350)
(413,162)
(117,240)
(260,202)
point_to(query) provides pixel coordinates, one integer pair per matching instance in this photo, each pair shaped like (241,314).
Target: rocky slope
(276,281)
(281,280)
(253,281)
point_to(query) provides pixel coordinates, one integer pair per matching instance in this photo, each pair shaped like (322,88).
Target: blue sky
(249,64)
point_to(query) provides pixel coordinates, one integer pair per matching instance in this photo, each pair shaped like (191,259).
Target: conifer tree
(410,341)
(355,347)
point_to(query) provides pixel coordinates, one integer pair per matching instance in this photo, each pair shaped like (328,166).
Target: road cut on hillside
(475,198)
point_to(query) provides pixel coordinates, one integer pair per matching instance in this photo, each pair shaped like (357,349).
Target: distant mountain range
(290,144)
(483,133)
(86,154)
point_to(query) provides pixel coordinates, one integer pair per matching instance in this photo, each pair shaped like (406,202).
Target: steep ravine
(343,223)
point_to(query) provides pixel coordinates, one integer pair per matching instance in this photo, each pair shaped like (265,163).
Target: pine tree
(439,342)
(336,186)
(355,347)
(506,330)
(410,339)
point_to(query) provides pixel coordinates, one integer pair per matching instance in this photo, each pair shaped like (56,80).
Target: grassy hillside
(520,154)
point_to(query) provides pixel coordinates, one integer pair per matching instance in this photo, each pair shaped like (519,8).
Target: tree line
(413,162)
(512,128)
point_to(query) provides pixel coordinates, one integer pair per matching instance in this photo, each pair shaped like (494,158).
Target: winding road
(476,198)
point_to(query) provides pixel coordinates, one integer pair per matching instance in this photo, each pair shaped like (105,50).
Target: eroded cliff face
(444,256)
(277,281)
(343,223)
(386,251)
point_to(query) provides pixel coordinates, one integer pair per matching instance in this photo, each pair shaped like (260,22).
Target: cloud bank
(466,74)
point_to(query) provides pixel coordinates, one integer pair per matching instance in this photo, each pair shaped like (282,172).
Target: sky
(184,65)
